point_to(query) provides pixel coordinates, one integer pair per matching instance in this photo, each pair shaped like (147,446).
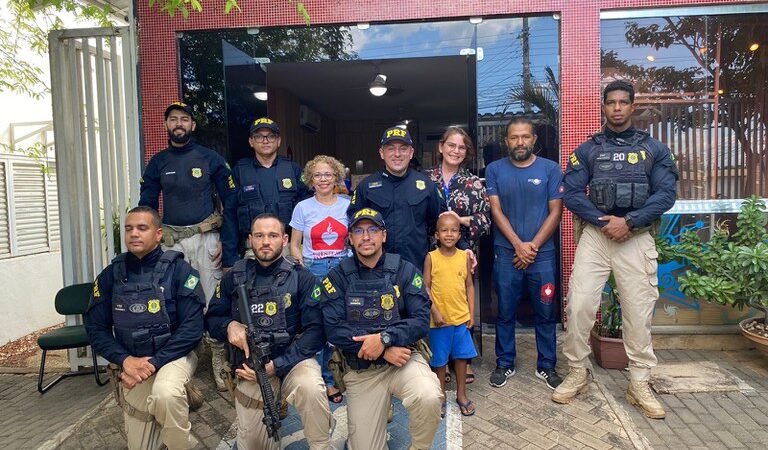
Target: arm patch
(191,282)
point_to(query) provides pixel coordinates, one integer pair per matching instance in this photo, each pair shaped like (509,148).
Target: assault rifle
(259,344)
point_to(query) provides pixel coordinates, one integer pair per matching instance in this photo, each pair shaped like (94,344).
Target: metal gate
(95,119)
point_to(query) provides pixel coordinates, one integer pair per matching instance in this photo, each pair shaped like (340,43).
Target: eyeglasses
(452,146)
(372,231)
(264,137)
(323,176)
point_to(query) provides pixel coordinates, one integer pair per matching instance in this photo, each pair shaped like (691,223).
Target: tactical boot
(217,363)
(639,394)
(576,382)
(194,395)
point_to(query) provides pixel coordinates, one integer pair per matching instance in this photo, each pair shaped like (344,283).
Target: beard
(268,257)
(180,138)
(520,157)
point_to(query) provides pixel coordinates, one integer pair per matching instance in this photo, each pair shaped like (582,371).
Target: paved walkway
(518,415)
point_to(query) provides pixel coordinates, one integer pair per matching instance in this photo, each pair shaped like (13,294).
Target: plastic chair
(70,300)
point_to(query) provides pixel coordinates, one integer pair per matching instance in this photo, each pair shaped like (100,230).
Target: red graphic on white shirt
(547,293)
(328,237)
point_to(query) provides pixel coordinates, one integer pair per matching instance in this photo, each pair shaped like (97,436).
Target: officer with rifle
(261,308)
(376,312)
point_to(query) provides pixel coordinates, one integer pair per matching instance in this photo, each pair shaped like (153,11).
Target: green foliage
(171,7)
(731,268)
(610,325)
(545,97)
(26,31)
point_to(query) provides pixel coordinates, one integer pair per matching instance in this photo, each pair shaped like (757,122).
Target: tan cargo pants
(368,397)
(634,265)
(164,397)
(304,388)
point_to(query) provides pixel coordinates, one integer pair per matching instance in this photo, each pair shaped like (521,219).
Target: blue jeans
(320,269)
(539,280)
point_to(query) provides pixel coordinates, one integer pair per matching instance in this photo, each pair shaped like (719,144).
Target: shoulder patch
(574,160)
(218,289)
(191,282)
(417,281)
(328,286)
(354,197)
(316,293)
(96,291)
(230,182)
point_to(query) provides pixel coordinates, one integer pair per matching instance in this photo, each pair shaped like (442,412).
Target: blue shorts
(452,341)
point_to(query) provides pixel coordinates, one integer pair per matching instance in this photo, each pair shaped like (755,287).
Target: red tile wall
(579,43)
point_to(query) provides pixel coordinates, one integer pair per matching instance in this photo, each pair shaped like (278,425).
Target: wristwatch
(386,339)
(630,221)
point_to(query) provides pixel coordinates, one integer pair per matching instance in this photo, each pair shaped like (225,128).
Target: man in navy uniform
(409,201)
(278,294)
(266,183)
(376,310)
(188,174)
(146,316)
(632,181)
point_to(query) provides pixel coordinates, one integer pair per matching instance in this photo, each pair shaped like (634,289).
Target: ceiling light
(650,58)
(475,20)
(363,26)
(378,86)
(720,91)
(260,95)
(754,47)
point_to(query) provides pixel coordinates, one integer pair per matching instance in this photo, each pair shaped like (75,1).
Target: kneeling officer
(376,311)
(278,293)
(146,316)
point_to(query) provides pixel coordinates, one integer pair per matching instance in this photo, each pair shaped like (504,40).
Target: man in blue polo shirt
(526,205)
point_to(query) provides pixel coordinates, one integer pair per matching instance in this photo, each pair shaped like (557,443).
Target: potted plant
(731,268)
(605,337)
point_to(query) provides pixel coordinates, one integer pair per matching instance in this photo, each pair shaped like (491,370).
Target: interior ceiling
(434,88)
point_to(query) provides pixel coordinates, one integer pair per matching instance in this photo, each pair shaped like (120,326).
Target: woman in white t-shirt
(319,233)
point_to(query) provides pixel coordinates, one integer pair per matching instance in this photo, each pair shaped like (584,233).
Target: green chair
(71,300)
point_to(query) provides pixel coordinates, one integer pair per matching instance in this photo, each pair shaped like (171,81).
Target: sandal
(470,378)
(442,410)
(337,397)
(467,409)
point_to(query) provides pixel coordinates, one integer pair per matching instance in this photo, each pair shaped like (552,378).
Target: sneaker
(550,377)
(500,375)
(575,383)
(639,394)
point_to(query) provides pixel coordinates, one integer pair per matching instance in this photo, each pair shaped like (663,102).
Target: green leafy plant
(610,323)
(731,268)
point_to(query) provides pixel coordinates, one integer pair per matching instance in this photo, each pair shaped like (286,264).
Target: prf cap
(181,106)
(396,134)
(265,122)
(367,214)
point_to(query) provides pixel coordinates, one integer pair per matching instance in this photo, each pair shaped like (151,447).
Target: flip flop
(337,397)
(465,408)
(470,378)
(442,410)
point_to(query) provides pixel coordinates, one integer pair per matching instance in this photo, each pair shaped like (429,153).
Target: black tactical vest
(140,314)
(251,201)
(267,302)
(372,305)
(620,173)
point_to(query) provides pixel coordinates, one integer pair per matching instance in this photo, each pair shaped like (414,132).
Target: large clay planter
(609,352)
(760,342)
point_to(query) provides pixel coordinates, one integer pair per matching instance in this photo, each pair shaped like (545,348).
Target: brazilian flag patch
(418,281)
(191,282)
(316,293)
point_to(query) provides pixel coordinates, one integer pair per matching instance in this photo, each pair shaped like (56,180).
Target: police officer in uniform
(279,292)
(267,183)
(632,181)
(187,174)
(146,316)
(409,201)
(376,311)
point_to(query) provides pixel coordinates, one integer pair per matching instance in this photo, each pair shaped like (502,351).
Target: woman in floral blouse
(464,192)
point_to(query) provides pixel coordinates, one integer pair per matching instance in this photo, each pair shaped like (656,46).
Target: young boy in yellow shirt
(448,279)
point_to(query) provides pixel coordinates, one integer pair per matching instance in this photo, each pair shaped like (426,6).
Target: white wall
(28,285)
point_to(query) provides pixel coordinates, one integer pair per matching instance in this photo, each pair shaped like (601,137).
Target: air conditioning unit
(309,118)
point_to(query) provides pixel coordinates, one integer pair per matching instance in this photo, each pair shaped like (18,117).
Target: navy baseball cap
(396,134)
(181,106)
(265,122)
(367,214)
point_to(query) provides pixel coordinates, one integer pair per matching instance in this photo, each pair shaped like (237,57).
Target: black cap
(396,134)
(181,107)
(265,122)
(367,214)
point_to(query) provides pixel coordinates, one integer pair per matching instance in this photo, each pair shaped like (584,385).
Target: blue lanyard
(446,186)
